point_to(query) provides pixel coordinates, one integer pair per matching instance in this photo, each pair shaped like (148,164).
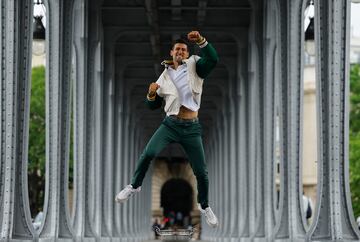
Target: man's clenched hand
(194,36)
(153,88)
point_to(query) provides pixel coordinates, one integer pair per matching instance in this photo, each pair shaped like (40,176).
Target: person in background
(308,207)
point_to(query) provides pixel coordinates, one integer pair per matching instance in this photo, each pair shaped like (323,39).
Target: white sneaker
(126,193)
(211,218)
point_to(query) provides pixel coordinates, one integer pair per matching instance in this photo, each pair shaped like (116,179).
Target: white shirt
(169,92)
(180,79)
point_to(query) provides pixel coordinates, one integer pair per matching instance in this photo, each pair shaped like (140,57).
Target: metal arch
(235,33)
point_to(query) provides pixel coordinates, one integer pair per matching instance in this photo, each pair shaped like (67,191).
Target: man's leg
(194,149)
(193,146)
(161,138)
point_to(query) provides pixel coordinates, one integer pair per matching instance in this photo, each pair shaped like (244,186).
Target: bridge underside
(103,55)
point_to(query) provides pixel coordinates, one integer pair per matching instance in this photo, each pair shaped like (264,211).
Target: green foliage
(36,155)
(355,99)
(37,142)
(355,138)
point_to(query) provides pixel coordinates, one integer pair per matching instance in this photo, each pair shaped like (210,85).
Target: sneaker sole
(212,225)
(121,200)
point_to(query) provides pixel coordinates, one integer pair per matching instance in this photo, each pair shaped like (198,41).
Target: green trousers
(188,135)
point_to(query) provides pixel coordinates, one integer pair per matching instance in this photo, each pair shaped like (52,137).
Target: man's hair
(179,41)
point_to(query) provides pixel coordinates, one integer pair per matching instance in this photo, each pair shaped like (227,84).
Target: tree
(37,142)
(36,154)
(354,132)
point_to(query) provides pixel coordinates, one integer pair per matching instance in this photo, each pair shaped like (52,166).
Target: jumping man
(180,86)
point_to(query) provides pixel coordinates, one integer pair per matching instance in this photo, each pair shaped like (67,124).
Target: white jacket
(169,92)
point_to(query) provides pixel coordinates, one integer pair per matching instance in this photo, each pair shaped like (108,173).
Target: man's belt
(183,120)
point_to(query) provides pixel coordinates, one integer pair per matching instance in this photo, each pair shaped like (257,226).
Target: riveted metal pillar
(15,50)
(243,218)
(134,200)
(137,198)
(334,215)
(268,115)
(122,173)
(222,175)
(234,146)
(246,143)
(95,76)
(119,150)
(140,212)
(125,174)
(108,142)
(137,215)
(217,182)
(237,196)
(120,178)
(210,151)
(253,129)
(291,225)
(96,168)
(132,204)
(86,51)
(226,166)
(282,229)
(256,69)
(56,223)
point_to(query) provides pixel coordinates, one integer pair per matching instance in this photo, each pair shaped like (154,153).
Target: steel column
(56,223)
(334,216)
(15,51)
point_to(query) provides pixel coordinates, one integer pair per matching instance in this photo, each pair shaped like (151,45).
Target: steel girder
(334,216)
(15,51)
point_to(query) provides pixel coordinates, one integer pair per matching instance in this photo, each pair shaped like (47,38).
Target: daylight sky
(355,18)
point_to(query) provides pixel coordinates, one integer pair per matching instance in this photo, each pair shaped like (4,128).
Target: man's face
(179,52)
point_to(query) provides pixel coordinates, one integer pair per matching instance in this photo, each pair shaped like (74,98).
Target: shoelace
(129,191)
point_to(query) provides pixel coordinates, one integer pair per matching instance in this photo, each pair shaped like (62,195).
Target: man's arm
(207,62)
(153,101)
(209,57)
